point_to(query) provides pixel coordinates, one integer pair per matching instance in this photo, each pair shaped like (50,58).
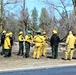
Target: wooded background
(47,20)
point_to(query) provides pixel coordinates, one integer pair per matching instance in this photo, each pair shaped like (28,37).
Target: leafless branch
(11,2)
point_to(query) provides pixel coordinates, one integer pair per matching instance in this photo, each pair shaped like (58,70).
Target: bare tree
(65,23)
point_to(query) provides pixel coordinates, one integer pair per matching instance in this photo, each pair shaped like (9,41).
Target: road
(69,70)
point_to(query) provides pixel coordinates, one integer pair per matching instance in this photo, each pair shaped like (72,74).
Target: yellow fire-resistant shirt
(20,38)
(38,39)
(70,41)
(7,44)
(29,38)
(45,39)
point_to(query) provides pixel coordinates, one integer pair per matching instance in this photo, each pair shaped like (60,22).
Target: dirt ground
(18,62)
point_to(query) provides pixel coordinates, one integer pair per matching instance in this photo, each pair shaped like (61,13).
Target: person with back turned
(54,41)
(38,40)
(70,41)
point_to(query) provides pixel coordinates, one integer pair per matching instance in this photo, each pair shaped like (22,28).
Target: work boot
(18,54)
(1,53)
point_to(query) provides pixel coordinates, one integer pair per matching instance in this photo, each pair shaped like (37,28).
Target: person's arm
(31,38)
(8,42)
(59,39)
(51,40)
(27,38)
(67,40)
(19,39)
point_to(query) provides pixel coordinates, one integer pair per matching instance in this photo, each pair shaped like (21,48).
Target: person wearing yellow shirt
(38,40)
(11,41)
(7,45)
(28,40)
(70,41)
(44,44)
(21,40)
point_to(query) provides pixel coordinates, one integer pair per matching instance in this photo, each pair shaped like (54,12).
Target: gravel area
(18,62)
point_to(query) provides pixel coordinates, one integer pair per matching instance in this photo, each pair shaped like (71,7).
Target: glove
(32,44)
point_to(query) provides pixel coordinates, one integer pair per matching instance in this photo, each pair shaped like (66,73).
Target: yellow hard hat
(10,33)
(4,31)
(54,31)
(44,33)
(20,32)
(7,34)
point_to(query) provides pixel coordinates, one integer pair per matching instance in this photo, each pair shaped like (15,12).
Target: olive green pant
(55,51)
(3,51)
(10,52)
(21,48)
(7,52)
(69,53)
(27,47)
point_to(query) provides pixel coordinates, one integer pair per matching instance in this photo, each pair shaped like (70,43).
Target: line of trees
(47,20)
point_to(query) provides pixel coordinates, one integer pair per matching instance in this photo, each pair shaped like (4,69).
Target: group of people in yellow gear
(6,43)
(38,42)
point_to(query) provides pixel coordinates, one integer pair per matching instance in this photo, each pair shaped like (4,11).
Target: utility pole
(25,19)
(1,8)
(1,14)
